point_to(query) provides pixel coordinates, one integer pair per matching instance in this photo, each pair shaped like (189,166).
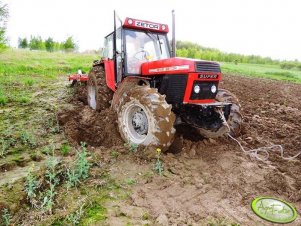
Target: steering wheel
(143,54)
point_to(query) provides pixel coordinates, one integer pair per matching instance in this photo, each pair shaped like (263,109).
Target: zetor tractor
(151,90)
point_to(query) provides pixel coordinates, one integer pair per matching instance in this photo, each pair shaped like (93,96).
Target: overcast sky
(267,28)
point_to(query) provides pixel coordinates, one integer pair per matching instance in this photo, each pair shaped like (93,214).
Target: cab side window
(108,49)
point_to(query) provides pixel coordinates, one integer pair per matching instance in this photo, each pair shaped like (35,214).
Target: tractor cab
(136,42)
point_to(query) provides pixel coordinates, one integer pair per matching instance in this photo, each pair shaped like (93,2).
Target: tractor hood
(178,65)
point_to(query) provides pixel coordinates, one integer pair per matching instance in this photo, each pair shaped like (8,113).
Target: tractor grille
(173,86)
(207,66)
(205,91)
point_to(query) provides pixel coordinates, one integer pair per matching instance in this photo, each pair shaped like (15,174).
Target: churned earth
(203,179)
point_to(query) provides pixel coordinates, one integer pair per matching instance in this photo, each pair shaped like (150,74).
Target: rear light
(130,21)
(163,27)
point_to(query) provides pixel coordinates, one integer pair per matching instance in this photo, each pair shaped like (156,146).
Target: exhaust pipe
(173,41)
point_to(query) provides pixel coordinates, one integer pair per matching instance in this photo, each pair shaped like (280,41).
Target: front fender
(128,83)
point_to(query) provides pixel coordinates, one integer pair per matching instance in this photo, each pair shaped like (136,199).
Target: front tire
(145,118)
(98,93)
(234,120)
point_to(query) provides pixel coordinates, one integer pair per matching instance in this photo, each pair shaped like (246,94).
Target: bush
(22,43)
(49,44)
(36,43)
(69,45)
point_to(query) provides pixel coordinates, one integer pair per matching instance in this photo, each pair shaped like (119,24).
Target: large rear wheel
(99,95)
(145,118)
(234,120)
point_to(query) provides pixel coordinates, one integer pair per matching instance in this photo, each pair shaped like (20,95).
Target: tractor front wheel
(145,118)
(99,95)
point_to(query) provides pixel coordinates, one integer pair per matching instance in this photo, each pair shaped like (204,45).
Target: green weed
(114,154)
(28,139)
(6,217)
(65,149)
(28,81)
(221,222)
(131,147)
(129,181)
(80,170)
(3,100)
(31,186)
(159,164)
(93,214)
(74,218)
(53,181)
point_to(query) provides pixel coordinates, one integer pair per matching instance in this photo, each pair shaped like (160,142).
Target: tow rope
(255,152)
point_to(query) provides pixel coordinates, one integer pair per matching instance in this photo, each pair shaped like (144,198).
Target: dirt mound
(82,124)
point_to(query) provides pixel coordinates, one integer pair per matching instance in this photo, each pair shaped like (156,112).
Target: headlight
(213,88)
(196,88)
(130,21)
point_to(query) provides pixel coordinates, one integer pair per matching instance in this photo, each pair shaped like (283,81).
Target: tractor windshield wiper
(159,43)
(151,35)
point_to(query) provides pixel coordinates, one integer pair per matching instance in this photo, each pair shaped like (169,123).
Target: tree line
(3,19)
(37,43)
(194,50)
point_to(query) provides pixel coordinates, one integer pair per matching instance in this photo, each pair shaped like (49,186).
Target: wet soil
(206,177)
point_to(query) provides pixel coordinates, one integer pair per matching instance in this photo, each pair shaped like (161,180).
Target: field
(48,135)
(262,71)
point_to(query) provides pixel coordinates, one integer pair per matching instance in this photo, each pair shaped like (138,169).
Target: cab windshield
(143,46)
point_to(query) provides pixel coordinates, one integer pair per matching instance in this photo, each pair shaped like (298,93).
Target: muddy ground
(205,181)
(207,178)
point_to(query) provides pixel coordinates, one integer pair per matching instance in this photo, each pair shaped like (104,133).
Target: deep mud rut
(207,178)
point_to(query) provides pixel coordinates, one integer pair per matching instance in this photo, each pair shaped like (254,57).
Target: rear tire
(234,120)
(145,118)
(98,93)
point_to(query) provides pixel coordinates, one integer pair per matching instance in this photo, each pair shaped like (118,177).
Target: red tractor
(150,89)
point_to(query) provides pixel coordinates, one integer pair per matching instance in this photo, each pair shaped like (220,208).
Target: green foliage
(36,43)
(115,154)
(95,213)
(49,44)
(28,139)
(131,146)
(6,141)
(3,99)
(31,186)
(291,65)
(52,180)
(129,181)
(23,43)
(262,71)
(6,217)
(221,222)
(193,50)
(159,164)
(81,168)
(69,44)
(74,218)
(65,149)
(3,18)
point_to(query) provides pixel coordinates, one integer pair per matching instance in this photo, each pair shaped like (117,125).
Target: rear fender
(127,84)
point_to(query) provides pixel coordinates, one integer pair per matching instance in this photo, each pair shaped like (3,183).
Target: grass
(22,72)
(263,71)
